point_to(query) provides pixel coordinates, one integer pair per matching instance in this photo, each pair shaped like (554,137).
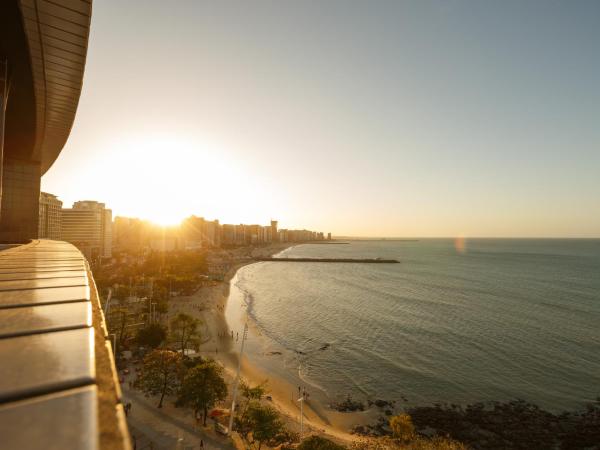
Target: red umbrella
(216,413)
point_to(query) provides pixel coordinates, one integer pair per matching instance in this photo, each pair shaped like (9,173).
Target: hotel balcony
(59,388)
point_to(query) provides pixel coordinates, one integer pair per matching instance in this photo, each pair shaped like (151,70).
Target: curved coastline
(265,362)
(282,385)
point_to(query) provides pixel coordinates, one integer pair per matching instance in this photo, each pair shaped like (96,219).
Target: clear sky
(367,118)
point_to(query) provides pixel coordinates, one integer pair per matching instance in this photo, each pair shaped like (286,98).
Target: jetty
(333,260)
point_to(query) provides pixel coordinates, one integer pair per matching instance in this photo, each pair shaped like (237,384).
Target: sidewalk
(165,428)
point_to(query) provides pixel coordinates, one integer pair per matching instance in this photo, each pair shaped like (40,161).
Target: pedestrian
(201,443)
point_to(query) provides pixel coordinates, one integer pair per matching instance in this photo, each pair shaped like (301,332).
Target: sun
(164,179)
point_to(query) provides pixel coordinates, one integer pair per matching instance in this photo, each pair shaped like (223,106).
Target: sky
(379,118)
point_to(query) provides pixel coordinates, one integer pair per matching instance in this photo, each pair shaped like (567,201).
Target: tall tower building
(88,226)
(50,217)
(274,234)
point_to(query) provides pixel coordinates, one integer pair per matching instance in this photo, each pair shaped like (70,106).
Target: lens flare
(460,244)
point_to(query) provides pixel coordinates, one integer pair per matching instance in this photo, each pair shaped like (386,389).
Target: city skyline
(391,120)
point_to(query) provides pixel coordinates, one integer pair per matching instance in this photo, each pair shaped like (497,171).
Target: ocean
(454,322)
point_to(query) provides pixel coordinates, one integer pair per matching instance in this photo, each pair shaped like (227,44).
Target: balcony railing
(58,385)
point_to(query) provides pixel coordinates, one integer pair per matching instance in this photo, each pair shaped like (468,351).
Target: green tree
(418,443)
(264,422)
(252,393)
(319,443)
(118,322)
(185,330)
(402,427)
(202,387)
(151,336)
(161,372)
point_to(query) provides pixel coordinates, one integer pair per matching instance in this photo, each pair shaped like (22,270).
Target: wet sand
(208,304)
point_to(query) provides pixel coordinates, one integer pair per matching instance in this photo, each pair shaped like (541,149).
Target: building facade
(42,58)
(88,226)
(199,232)
(50,217)
(128,233)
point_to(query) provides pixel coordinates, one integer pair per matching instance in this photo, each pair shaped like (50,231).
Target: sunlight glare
(166,178)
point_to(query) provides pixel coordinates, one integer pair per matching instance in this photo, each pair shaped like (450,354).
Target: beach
(209,305)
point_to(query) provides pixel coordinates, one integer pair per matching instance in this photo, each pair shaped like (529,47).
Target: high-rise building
(129,233)
(49,224)
(88,225)
(240,234)
(274,234)
(199,232)
(228,234)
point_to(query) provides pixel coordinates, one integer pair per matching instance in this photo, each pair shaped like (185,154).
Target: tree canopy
(160,374)
(264,422)
(185,331)
(203,386)
(319,443)
(151,336)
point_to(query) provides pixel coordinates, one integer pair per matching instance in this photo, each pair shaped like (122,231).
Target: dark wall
(19,174)
(20,124)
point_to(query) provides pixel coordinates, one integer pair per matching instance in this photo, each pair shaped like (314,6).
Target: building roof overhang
(57,34)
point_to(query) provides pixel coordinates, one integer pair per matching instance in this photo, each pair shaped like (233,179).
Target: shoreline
(209,305)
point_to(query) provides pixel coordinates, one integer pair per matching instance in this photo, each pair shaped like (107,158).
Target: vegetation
(203,386)
(402,427)
(319,443)
(151,336)
(417,443)
(185,331)
(264,423)
(161,373)
(119,322)
(255,393)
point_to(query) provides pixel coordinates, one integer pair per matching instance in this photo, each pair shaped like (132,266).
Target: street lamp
(237,379)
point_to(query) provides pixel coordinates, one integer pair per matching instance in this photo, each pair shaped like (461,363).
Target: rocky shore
(508,425)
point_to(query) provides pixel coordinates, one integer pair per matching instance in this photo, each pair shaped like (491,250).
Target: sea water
(456,321)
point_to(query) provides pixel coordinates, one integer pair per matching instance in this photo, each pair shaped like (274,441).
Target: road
(165,428)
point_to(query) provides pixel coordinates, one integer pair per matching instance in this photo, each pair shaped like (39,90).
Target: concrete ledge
(58,381)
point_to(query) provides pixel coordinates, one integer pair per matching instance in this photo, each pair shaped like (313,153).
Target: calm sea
(492,319)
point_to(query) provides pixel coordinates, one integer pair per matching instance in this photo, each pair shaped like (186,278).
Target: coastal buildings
(274,234)
(299,235)
(199,232)
(50,217)
(88,225)
(129,233)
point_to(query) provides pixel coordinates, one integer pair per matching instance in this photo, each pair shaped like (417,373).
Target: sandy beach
(208,304)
